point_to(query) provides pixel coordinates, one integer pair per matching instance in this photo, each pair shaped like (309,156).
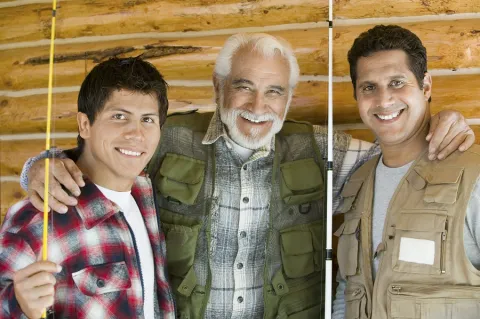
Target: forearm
(54,152)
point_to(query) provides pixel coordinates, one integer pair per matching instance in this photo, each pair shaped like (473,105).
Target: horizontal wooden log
(31,21)
(28,114)
(13,154)
(106,17)
(10,193)
(450,45)
(177,59)
(360,9)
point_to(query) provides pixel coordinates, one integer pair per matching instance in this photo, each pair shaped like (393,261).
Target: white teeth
(252,120)
(388,117)
(131,153)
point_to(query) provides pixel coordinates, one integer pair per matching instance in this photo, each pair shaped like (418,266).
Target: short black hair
(133,74)
(390,37)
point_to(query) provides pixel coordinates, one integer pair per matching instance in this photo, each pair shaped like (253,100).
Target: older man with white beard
(240,193)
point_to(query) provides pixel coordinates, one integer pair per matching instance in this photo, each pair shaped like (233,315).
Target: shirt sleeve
(348,155)
(339,302)
(471,232)
(15,254)
(56,152)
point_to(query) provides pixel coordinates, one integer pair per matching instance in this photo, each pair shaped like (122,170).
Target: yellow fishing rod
(47,138)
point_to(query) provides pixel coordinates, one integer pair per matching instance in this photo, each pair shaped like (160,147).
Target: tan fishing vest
(183,172)
(424,271)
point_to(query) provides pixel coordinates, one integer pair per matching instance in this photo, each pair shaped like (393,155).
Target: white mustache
(254,117)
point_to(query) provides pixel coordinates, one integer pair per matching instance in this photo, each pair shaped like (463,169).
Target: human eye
(148,119)
(119,116)
(368,88)
(397,83)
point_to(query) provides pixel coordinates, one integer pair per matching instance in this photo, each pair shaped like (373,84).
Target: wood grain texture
(450,45)
(185,59)
(358,9)
(10,193)
(15,153)
(106,17)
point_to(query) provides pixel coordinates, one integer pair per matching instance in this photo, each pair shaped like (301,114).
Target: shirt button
(246,200)
(100,283)
(240,299)
(243,234)
(239,265)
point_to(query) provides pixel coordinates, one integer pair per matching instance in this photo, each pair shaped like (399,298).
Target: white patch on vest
(420,251)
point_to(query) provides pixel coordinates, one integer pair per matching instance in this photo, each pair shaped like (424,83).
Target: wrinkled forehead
(247,62)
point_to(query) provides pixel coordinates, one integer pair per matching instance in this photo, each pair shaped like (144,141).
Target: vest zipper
(443,252)
(396,289)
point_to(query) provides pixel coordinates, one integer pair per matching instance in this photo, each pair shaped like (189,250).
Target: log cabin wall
(183,37)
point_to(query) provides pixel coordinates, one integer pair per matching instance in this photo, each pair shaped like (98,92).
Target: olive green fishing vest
(424,271)
(183,172)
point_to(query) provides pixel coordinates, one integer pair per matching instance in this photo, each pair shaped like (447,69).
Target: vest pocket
(348,245)
(180,177)
(420,242)
(423,301)
(181,235)
(355,302)
(301,182)
(302,260)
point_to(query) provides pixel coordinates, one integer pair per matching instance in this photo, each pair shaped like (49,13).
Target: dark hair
(133,74)
(390,37)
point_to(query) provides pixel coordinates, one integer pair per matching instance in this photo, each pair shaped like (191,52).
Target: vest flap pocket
(422,222)
(180,177)
(301,249)
(419,244)
(301,182)
(349,193)
(355,301)
(348,245)
(101,279)
(297,253)
(433,301)
(442,184)
(181,235)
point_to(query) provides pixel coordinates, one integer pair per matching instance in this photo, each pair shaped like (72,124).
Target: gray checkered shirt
(240,228)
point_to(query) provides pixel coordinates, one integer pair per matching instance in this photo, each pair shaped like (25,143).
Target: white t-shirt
(134,218)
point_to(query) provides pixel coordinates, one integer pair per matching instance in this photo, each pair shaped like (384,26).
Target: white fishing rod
(329,212)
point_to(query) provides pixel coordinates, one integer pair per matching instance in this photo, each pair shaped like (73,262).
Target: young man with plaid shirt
(107,255)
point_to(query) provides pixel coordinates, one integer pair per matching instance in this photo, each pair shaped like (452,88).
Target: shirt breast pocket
(102,279)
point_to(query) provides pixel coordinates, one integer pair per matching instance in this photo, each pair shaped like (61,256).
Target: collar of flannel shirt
(93,207)
(216,129)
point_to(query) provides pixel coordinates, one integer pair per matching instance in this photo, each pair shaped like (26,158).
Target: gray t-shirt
(386,182)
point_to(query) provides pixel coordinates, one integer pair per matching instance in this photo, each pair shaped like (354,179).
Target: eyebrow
(277,87)
(242,81)
(119,109)
(393,77)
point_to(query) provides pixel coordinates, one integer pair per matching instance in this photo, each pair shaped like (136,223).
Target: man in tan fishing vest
(240,192)
(409,246)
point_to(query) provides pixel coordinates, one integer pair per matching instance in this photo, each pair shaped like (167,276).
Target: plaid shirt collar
(94,208)
(216,129)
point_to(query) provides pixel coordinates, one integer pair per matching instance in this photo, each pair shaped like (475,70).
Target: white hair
(262,43)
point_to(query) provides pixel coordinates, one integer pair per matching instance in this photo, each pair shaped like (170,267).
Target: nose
(258,103)
(135,132)
(384,98)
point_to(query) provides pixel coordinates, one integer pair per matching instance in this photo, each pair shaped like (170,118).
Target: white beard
(253,140)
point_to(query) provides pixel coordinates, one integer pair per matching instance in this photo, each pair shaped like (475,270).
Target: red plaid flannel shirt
(100,277)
